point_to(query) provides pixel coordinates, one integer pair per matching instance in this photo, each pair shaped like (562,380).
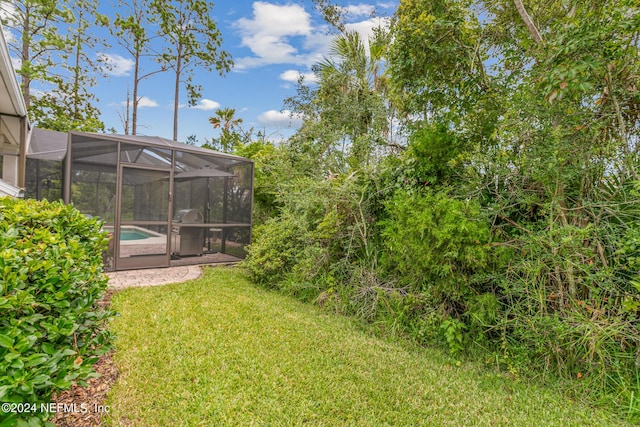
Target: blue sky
(271,43)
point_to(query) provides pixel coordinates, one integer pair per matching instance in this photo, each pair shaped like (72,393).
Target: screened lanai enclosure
(164,203)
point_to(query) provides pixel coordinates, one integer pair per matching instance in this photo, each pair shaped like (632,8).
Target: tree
(35,26)
(53,40)
(225,119)
(349,109)
(527,20)
(192,40)
(437,63)
(70,105)
(510,221)
(542,108)
(131,32)
(232,134)
(352,92)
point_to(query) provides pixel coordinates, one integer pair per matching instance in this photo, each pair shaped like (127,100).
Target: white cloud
(360,9)
(268,34)
(276,20)
(318,43)
(285,34)
(206,105)
(293,76)
(142,103)
(282,118)
(36,92)
(388,5)
(365,28)
(116,65)
(146,102)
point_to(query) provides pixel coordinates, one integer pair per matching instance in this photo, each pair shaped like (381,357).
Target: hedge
(52,329)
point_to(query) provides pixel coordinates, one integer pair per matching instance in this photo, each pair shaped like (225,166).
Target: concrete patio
(153,276)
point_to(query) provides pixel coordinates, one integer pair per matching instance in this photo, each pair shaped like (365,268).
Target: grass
(220,351)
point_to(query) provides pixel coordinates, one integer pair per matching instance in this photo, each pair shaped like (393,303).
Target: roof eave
(8,189)
(10,79)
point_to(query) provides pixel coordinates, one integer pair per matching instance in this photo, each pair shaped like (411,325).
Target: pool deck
(153,276)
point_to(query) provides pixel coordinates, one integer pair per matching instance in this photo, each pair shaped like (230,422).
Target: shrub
(431,156)
(569,310)
(438,248)
(276,248)
(435,243)
(51,278)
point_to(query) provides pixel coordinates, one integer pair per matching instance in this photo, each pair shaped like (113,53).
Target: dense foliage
(503,220)
(51,328)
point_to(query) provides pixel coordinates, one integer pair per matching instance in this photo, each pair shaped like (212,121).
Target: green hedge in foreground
(51,328)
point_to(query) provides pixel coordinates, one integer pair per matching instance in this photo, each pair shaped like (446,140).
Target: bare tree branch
(527,20)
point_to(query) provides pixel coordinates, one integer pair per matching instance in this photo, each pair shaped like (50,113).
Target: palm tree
(225,119)
(352,91)
(354,57)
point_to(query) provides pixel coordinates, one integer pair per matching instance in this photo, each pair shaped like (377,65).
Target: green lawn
(220,351)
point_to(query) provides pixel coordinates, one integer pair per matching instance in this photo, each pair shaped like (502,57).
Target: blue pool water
(133,235)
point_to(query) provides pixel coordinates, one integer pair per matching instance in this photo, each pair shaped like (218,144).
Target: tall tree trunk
(136,81)
(26,42)
(126,119)
(177,95)
(527,21)
(76,79)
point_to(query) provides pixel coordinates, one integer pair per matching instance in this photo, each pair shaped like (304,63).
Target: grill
(187,233)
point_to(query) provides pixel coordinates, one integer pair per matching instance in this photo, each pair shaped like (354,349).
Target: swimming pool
(131,233)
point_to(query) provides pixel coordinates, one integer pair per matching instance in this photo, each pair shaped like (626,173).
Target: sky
(271,44)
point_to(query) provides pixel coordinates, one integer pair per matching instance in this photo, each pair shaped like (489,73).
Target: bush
(276,248)
(51,278)
(570,310)
(435,244)
(438,248)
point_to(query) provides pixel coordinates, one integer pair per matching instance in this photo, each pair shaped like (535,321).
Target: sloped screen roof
(47,145)
(150,150)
